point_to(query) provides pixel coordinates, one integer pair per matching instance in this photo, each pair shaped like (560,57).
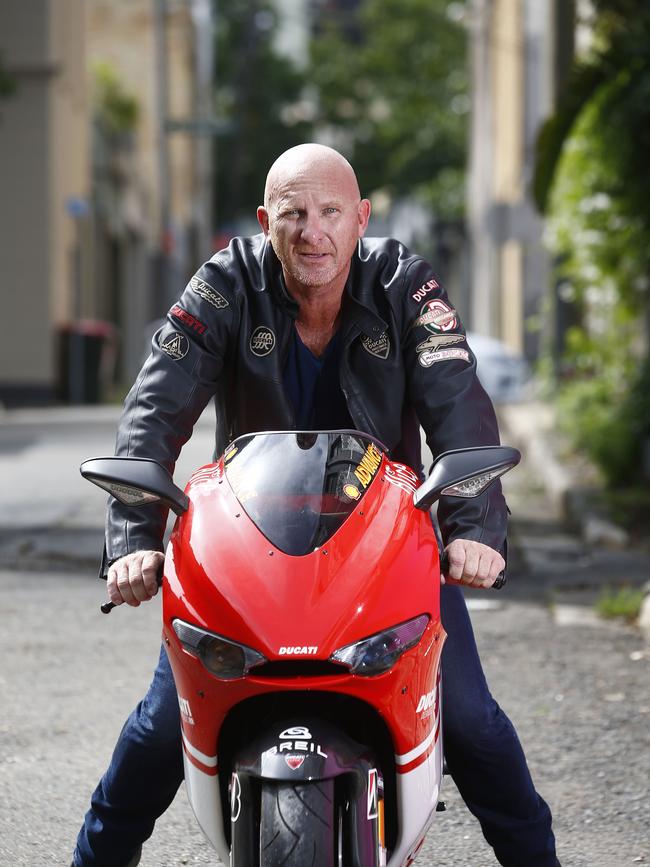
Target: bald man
(311,326)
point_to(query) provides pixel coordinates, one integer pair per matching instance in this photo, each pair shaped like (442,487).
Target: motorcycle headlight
(223,658)
(377,653)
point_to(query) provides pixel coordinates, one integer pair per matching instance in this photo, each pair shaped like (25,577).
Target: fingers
(473,563)
(134,578)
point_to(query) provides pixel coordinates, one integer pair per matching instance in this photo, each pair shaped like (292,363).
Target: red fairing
(379,569)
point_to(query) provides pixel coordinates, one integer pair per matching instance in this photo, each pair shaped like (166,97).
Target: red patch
(191,321)
(294,762)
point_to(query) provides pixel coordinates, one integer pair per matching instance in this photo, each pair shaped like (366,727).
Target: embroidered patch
(176,346)
(380,347)
(208,293)
(262,340)
(436,316)
(423,290)
(426,359)
(438,340)
(191,321)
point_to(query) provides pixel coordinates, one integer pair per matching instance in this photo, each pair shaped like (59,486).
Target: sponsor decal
(298,650)
(176,346)
(423,290)
(191,321)
(438,340)
(352,492)
(368,465)
(230,454)
(426,359)
(402,477)
(296,739)
(208,293)
(296,732)
(436,316)
(379,348)
(262,340)
(235,797)
(427,701)
(186,710)
(294,762)
(373,794)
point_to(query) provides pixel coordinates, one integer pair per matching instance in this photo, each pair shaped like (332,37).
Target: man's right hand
(134,578)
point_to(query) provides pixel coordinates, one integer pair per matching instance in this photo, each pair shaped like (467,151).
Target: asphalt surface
(576,687)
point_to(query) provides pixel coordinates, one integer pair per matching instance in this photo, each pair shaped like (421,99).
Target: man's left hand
(473,563)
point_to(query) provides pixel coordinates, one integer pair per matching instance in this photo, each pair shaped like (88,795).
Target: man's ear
(363,215)
(263,219)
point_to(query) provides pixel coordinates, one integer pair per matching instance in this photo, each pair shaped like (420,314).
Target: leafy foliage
(392,82)
(259,96)
(599,229)
(117,110)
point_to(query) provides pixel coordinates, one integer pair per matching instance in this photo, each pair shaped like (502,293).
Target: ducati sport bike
(301,617)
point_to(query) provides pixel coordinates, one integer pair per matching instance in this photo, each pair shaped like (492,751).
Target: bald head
(307,161)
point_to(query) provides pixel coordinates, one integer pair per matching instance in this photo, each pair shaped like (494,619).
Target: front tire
(297,826)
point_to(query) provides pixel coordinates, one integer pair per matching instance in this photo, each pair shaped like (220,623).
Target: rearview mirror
(465,473)
(135,482)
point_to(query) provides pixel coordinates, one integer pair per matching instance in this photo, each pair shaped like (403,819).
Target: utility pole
(164,194)
(203,19)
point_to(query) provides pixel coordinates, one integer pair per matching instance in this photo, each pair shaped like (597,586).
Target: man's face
(314,220)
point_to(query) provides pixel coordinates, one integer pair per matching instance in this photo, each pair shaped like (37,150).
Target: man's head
(313,215)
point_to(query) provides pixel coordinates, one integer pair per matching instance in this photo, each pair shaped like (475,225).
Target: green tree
(593,180)
(391,76)
(259,94)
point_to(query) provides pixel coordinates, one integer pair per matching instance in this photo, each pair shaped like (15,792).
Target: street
(576,687)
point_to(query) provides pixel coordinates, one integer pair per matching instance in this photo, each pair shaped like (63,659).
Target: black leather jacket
(404,362)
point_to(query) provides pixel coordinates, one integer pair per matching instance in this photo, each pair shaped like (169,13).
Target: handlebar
(499,583)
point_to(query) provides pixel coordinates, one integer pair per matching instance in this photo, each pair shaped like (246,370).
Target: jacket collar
(360,308)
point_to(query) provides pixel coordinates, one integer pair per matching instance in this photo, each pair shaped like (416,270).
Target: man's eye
(331,210)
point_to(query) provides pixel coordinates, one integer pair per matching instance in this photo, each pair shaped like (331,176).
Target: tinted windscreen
(299,488)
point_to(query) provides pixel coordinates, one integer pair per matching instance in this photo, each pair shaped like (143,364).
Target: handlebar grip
(499,583)
(107,607)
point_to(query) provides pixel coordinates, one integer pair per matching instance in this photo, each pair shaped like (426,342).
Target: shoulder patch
(436,316)
(262,340)
(191,321)
(175,345)
(428,358)
(427,287)
(208,293)
(379,348)
(438,340)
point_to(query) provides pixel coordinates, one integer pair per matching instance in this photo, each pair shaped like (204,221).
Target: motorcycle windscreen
(299,487)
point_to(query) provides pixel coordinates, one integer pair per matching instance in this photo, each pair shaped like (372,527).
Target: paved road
(577,692)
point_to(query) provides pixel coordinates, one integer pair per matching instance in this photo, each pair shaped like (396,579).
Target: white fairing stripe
(405,758)
(208,761)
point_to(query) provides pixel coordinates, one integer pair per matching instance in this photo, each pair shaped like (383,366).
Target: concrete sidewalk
(50,518)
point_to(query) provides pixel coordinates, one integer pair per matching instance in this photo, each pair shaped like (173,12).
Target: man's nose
(312,229)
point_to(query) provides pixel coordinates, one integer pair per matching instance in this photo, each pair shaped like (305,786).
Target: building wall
(43,163)
(514,71)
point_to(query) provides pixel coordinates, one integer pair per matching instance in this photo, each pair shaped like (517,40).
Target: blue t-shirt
(314,387)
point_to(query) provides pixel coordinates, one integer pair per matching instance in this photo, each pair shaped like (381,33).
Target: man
(309,326)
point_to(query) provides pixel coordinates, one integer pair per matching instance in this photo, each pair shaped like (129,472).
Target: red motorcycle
(302,621)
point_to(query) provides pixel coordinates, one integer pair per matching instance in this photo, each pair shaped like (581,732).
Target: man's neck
(319,313)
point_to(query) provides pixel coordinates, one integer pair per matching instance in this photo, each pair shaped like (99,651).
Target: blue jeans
(482,750)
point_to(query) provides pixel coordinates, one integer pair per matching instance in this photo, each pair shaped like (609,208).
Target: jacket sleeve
(452,406)
(176,382)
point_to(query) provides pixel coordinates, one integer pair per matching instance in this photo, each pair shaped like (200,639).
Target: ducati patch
(426,359)
(423,290)
(379,348)
(208,293)
(438,340)
(436,316)
(176,346)
(191,321)
(262,340)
